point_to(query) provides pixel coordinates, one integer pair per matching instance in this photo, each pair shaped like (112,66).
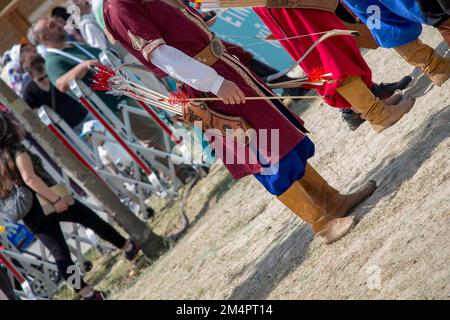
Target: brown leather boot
(336,204)
(379,113)
(444,29)
(420,55)
(322,206)
(353,119)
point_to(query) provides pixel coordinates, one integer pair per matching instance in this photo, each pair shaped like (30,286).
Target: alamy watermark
(374,19)
(233,147)
(74,21)
(374,277)
(74,278)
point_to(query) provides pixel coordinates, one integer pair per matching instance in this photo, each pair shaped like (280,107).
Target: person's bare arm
(35,183)
(77,73)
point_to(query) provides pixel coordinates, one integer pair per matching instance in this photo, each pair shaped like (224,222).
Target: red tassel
(178,98)
(101,78)
(318,74)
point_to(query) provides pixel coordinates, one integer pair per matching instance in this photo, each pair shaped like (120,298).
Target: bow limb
(326,36)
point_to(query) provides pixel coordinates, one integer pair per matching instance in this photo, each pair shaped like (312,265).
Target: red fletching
(318,74)
(101,78)
(100,86)
(178,98)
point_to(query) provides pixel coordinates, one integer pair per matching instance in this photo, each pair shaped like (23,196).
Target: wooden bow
(329,34)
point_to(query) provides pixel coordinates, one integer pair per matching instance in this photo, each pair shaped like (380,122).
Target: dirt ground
(244,244)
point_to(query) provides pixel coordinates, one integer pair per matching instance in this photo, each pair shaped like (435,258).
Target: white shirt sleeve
(94,36)
(186,69)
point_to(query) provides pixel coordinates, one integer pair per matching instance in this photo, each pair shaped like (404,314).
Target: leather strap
(209,119)
(325,5)
(365,38)
(211,53)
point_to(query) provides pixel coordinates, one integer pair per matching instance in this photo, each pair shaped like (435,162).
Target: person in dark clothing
(47,229)
(18,166)
(41,92)
(29,138)
(6,289)
(61,15)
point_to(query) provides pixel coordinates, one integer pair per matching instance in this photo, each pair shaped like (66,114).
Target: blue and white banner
(243,27)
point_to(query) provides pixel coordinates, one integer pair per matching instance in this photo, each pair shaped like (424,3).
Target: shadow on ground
(391,173)
(276,265)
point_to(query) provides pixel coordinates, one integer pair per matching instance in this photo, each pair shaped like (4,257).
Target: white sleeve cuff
(216,85)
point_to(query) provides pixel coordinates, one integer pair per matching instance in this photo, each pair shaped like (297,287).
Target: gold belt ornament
(211,53)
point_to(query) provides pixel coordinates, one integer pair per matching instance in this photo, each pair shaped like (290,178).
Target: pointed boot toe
(396,112)
(346,203)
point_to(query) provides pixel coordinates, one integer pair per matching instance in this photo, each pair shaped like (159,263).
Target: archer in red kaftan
(144,26)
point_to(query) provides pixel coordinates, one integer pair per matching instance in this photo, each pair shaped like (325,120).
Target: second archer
(338,55)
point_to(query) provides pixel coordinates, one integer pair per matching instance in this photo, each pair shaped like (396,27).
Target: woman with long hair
(18,166)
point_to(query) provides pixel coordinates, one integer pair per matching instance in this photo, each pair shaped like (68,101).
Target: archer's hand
(86,65)
(230,93)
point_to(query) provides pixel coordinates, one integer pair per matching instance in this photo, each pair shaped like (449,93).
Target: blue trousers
(399,21)
(290,169)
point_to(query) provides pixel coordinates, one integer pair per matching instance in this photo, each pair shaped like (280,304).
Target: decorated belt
(326,5)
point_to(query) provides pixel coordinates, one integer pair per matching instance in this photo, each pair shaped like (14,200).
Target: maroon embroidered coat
(143,25)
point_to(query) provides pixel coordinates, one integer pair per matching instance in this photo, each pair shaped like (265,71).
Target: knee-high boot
(380,113)
(322,206)
(420,55)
